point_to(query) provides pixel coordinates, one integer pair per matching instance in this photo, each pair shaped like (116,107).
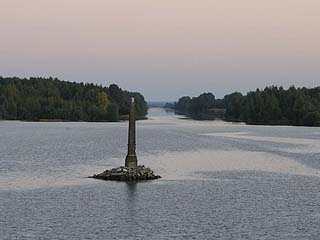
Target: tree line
(40,98)
(270,106)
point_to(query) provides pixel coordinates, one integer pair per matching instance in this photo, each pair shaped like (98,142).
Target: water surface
(220,180)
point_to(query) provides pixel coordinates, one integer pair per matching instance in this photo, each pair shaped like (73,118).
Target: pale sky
(164,48)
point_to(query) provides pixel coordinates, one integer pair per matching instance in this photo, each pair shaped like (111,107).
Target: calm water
(220,181)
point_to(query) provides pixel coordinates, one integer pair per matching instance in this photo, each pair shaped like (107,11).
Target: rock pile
(127,174)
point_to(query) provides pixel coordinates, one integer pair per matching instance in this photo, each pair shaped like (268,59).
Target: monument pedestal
(131,161)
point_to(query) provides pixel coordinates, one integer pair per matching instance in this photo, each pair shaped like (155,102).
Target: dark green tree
(49,98)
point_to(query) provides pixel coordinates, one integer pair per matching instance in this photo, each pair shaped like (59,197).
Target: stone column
(131,159)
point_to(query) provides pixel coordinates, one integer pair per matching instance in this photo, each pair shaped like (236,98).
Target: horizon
(164,49)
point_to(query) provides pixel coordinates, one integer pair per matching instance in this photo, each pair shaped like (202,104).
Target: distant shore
(54,100)
(269,106)
(121,119)
(236,122)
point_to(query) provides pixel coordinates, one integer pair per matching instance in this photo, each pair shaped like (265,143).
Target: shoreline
(186,117)
(124,119)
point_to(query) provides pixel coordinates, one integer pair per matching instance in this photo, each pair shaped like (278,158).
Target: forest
(37,99)
(270,106)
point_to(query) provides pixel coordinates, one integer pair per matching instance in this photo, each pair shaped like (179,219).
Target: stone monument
(131,159)
(131,171)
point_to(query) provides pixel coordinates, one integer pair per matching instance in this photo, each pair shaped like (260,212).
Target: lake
(220,181)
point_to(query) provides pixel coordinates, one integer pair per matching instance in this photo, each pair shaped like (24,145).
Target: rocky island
(122,173)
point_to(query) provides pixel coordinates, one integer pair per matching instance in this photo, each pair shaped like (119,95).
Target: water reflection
(131,190)
(131,214)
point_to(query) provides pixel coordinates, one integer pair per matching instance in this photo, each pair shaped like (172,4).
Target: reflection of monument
(131,159)
(131,171)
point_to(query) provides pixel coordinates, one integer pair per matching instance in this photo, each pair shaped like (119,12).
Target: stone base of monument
(141,173)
